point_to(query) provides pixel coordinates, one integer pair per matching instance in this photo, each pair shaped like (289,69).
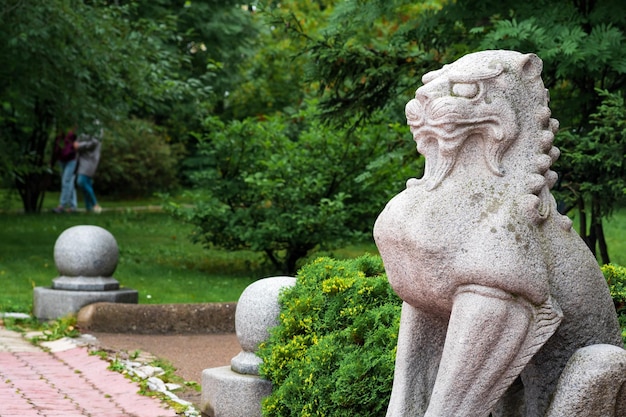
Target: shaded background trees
(187,84)
(287,185)
(68,62)
(372,53)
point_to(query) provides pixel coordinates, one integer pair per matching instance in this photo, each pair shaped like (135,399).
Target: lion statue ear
(531,66)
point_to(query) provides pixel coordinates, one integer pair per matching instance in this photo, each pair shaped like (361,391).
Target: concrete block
(158,318)
(226,393)
(50,304)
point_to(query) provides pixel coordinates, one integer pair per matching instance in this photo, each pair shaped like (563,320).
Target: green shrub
(289,184)
(137,160)
(616,278)
(333,352)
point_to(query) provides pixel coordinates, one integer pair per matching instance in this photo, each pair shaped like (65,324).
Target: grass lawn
(615,234)
(615,231)
(157,257)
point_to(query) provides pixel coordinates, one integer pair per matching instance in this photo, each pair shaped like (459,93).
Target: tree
(371,54)
(598,161)
(271,176)
(271,76)
(140,161)
(581,45)
(215,37)
(362,57)
(67,62)
(286,185)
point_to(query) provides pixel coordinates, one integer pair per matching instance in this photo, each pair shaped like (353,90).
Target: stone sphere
(86,251)
(258,310)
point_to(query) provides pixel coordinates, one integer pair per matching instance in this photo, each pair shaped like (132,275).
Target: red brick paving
(69,383)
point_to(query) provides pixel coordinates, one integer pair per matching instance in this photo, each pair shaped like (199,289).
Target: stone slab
(49,304)
(206,318)
(226,393)
(85,283)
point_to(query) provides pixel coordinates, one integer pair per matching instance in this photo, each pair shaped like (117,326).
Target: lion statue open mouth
(499,292)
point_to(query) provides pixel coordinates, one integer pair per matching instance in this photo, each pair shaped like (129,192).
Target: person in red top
(65,154)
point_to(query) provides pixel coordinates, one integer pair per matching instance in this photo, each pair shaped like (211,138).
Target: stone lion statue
(506,311)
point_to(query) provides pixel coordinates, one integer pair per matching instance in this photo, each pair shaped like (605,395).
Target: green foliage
(360,56)
(58,329)
(137,160)
(50,330)
(67,62)
(368,56)
(333,351)
(616,279)
(287,185)
(598,156)
(593,166)
(116,366)
(270,81)
(214,37)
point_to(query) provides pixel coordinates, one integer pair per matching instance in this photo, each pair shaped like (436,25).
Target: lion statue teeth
(499,291)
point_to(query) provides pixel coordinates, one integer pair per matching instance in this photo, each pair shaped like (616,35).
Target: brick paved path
(66,382)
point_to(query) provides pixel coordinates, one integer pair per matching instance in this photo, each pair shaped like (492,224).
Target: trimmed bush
(137,160)
(616,278)
(333,352)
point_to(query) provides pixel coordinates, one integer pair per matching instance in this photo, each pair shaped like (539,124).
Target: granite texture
(50,303)
(257,312)
(87,251)
(237,391)
(499,291)
(86,258)
(226,393)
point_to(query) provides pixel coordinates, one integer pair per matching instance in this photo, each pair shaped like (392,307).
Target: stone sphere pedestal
(237,390)
(86,258)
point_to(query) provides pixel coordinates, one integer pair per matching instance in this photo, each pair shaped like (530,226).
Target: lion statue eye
(465,90)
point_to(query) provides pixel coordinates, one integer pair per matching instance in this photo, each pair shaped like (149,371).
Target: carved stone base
(85,283)
(226,393)
(50,304)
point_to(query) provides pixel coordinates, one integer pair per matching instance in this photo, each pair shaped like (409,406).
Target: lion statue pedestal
(506,311)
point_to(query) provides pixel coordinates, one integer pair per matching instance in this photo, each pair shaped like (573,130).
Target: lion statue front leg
(420,345)
(489,338)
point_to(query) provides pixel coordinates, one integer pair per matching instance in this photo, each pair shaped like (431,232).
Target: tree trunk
(593,237)
(604,251)
(292,258)
(288,264)
(274,260)
(32,191)
(34,174)
(582,224)
(598,230)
